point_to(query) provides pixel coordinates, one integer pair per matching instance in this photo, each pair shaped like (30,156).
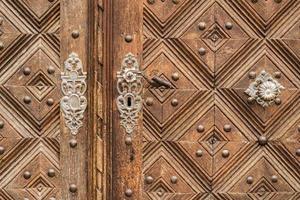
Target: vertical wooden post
(74,34)
(127,159)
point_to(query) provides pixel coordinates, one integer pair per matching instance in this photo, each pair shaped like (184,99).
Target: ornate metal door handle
(159,82)
(129,86)
(264,90)
(73,85)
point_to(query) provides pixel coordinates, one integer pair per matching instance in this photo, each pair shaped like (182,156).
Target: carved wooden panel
(203,138)
(35,157)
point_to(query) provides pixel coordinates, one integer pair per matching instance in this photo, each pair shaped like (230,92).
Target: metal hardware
(75,34)
(264,90)
(73,143)
(202,26)
(262,140)
(174,102)
(50,102)
(225,153)
(51,70)
(274,178)
(27,175)
(73,87)
(228,25)
(250,179)
(202,51)
(73,188)
(227,128)
(128,38)
(128,192)
(200,128)
(26,71)
(1,124)
(129,86)
(158,82)
(174,179)
(51,173)
(149,179)
(2,150)
(27,100)
(199,153)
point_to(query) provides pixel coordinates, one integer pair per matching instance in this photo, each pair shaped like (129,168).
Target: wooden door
(43,54)
(220,116)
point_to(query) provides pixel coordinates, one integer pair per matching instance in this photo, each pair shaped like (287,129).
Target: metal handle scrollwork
(73,85)
(129,86)
(265,90)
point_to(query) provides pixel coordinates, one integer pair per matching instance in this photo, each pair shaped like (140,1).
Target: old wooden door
(221,110)
(43,54)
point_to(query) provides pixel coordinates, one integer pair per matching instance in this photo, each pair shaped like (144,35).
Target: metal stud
(277,101)
(249,180)
(27,100)
(51,70)
(174,102)
(252,75)
(51,1)
(73,188)
(50,102)
(128,140)
(228,25)
(128,192)
(175,76)
(298,152)
(225,153)
(278,1)
(202,26)
(202,51)
(26,71)
(277,74)
(75,34)
(151,1)
(1,46)
(174,179)
(27,175)
(2,150)
(149,179)
(1,124)
(73,143)
(254,1)
(128,38)
(149,101)
(1,21)
(199,153)
(200,128)
(227,127)
(274,179)
(251,100)
(51,173)
(262,140)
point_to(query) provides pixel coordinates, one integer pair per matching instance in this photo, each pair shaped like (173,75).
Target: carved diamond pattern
(215,37)
(40,86)
(40,187)
(162,94)
(222,42)
(39,7)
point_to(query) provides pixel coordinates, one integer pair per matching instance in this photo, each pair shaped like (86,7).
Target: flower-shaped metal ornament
(264,90)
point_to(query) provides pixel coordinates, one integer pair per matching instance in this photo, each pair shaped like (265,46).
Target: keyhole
(129,101)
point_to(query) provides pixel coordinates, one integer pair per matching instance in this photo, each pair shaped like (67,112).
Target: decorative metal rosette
(73,85)
(129,86)
(264,90)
